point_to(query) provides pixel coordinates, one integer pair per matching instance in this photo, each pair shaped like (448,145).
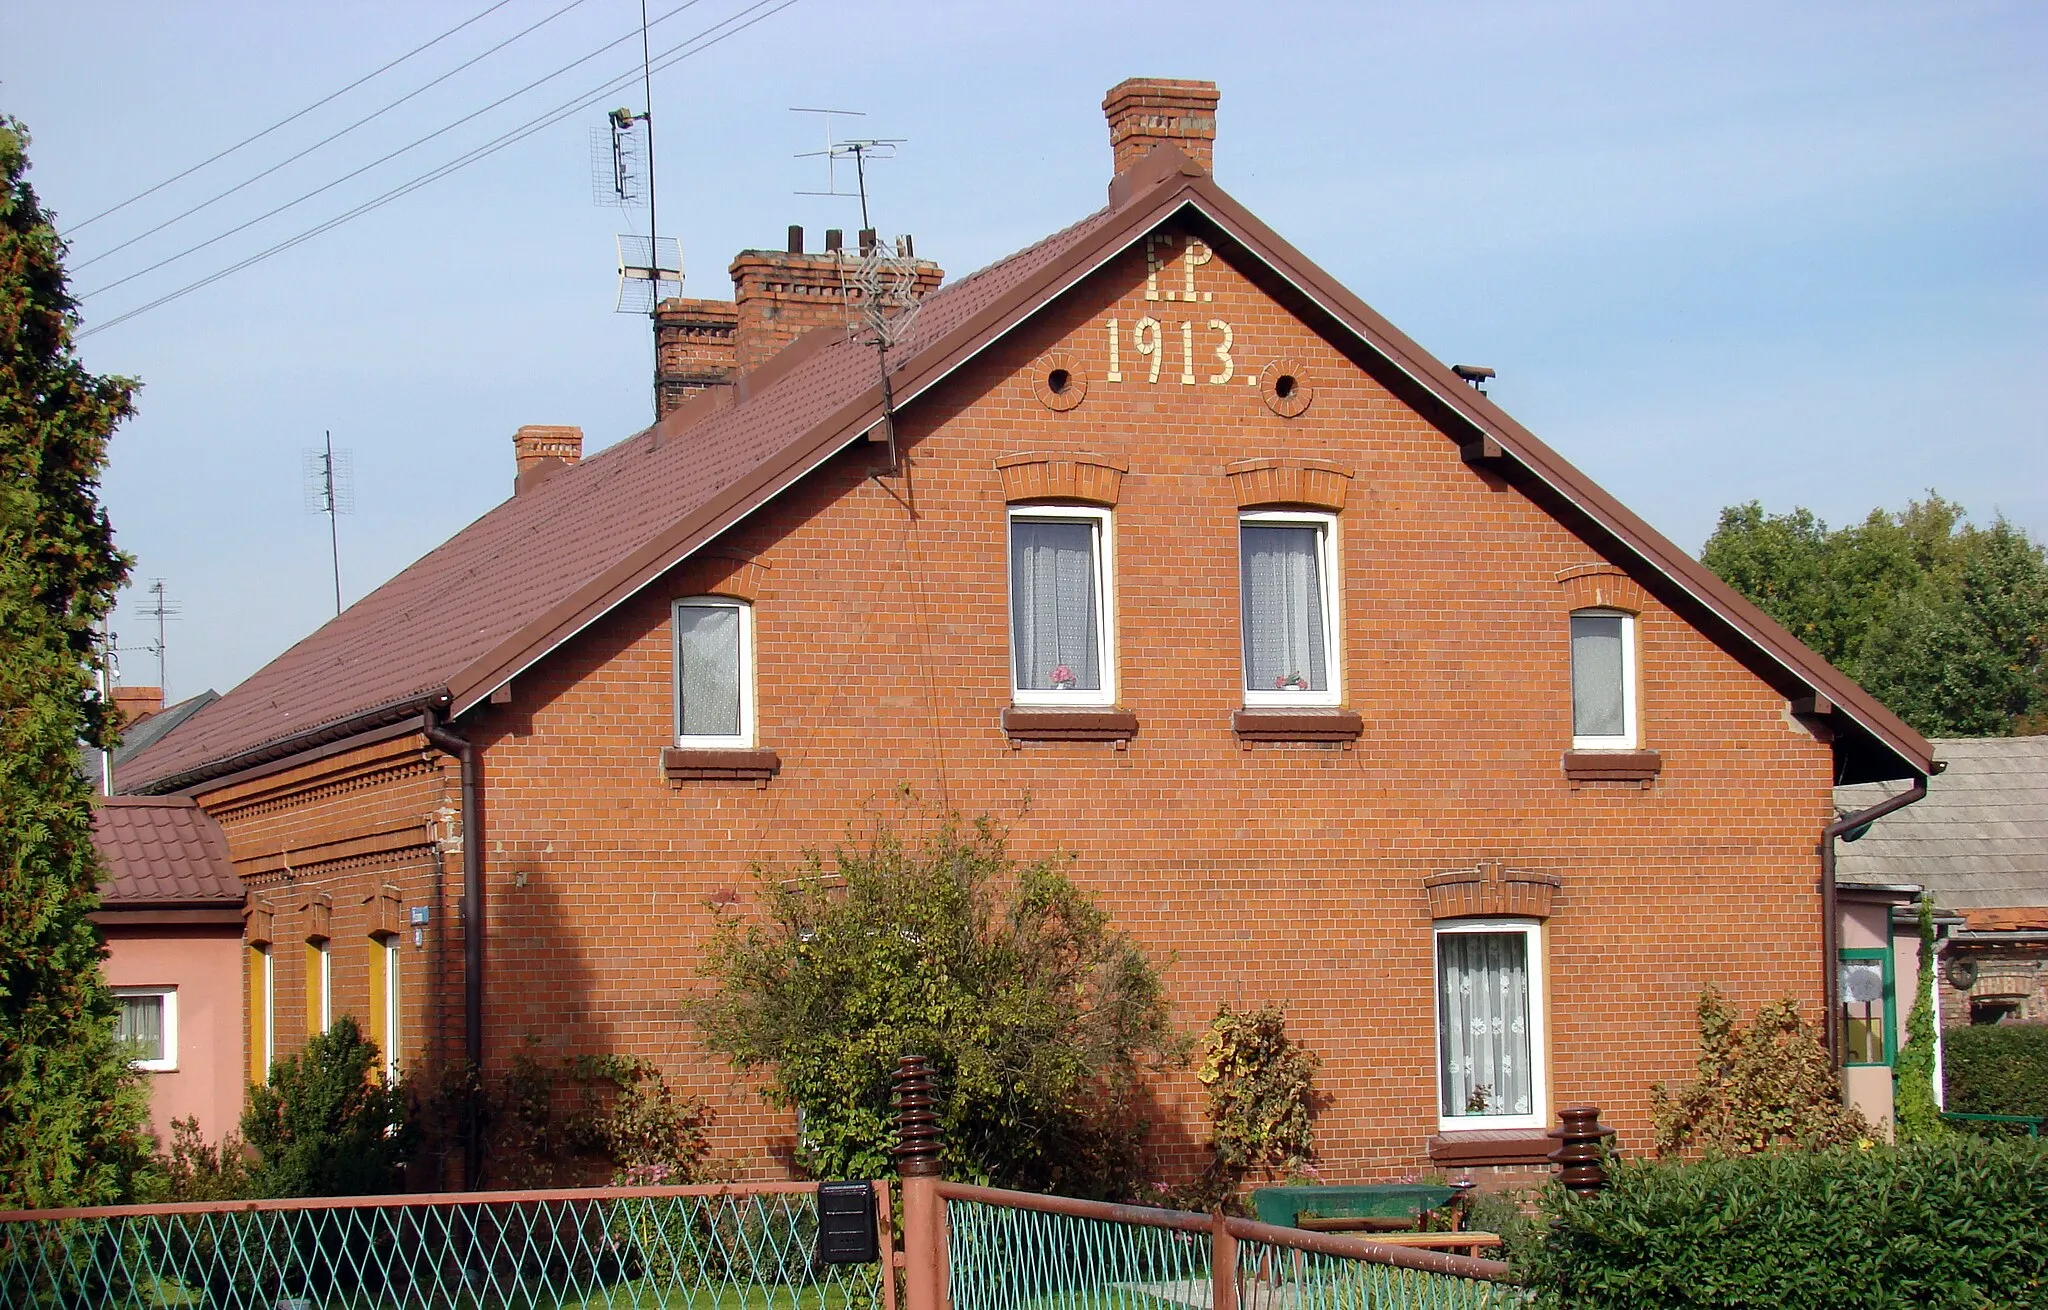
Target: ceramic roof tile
(162,851)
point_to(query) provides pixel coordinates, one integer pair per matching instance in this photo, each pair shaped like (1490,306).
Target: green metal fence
(1013,1251)
(742,1248)
(1273,1277)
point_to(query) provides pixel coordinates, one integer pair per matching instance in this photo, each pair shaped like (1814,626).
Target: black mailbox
(846,1224)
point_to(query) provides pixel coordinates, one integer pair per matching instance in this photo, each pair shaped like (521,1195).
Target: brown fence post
(1578,1156)
(917,1163)
(1222,1263)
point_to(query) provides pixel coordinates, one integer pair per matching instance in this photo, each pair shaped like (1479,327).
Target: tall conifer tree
(71,1111)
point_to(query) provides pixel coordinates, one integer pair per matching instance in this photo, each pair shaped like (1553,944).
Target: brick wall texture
(1283,872)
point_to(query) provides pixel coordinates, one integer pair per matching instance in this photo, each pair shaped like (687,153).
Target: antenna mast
(622,168)
(160,609)
(653,243)
(330,490)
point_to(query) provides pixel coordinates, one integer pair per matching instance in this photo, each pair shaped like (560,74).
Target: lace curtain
(1283,609)
(1483,1022)
(1052,605)
(1596,676)
(708,651)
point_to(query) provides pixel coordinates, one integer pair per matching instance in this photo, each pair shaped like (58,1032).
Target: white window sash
(326,987)
(745,736)
(391,1007)
(1625,739)
(1326,580)
(168,1017)
(1539,1036)
(269,1010)
(1105,608)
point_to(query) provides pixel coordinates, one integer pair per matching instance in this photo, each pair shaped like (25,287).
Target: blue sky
(1717,252)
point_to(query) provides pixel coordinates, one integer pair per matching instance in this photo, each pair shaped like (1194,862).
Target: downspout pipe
(1830,931)
(472,928)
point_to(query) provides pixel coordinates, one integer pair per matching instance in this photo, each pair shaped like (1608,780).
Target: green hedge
(1942,1226)
(1996,1068)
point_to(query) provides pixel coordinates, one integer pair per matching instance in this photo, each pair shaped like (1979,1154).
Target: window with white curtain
(147,1024)
(714,659)
(1287,608)
(1603,680)
(1061,651)
(1489,1022)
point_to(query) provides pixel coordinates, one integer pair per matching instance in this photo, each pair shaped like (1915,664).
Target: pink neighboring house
(171,914)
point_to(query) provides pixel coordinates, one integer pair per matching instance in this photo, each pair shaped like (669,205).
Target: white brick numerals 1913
(1151,340)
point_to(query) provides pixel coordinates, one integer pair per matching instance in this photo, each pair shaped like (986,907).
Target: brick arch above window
(1490,889)
(1313,482)
(721,572)
(1601,586)
(259,921)
(1084,476)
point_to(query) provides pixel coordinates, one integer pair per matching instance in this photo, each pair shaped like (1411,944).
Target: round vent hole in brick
(1058,381)
(1283,386)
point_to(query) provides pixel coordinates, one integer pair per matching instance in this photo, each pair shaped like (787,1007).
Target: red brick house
(1346,690)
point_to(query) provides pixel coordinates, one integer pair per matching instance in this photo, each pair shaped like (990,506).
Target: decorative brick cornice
(1313,482)
(1084,476)
(1602,586)
(721,572)
(1490,888)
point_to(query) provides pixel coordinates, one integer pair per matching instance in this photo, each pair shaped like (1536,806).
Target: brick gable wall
(1289,872)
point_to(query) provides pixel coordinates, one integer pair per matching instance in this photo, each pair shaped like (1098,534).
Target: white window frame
(745,736)
(1539,1030)
(1326,573)
(269,1007)
(392,958)
(1626,740)
(169,996)
(1104,523)
(324,947)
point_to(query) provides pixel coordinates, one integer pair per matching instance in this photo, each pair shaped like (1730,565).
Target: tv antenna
(882,300)
(859,149)
(330,489)
(622,174)
(160,609)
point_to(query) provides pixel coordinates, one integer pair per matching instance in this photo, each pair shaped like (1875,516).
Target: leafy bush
(1262,1103)
(194,1171)
(1037,1014)
(1932,1226)
(1997,1068)
(1916,1115)
(326,1124)
(1767,1085)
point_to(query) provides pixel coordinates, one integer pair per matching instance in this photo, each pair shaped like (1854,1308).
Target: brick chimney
(1144,112)
(695,347)
(134,704)
(540,451)
(782,294)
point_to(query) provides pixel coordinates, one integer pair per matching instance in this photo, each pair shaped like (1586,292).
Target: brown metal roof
(531,573)
(162,852)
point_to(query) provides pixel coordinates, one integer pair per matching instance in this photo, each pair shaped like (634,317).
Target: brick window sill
(1022,723)
(1638,767)
(1283,724)
(684,764)
(1527,1147)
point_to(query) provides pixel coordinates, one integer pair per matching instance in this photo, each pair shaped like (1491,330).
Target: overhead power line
(290,118)
(381,159)
(326,140)
(675,54)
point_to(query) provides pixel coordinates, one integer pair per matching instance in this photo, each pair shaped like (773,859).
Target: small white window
(1061,647)
(714,672)
(1603,680)
(1287,610)
(319,986)
(1489,1023)
(148,1026)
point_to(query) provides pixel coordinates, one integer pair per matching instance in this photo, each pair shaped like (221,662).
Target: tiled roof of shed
(162,851)
(1980,838)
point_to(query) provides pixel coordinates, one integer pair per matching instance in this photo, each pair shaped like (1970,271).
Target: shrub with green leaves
(1949,1225)
(1996,1068)
(1038,1015)
(326,1124)
(1262,1103)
